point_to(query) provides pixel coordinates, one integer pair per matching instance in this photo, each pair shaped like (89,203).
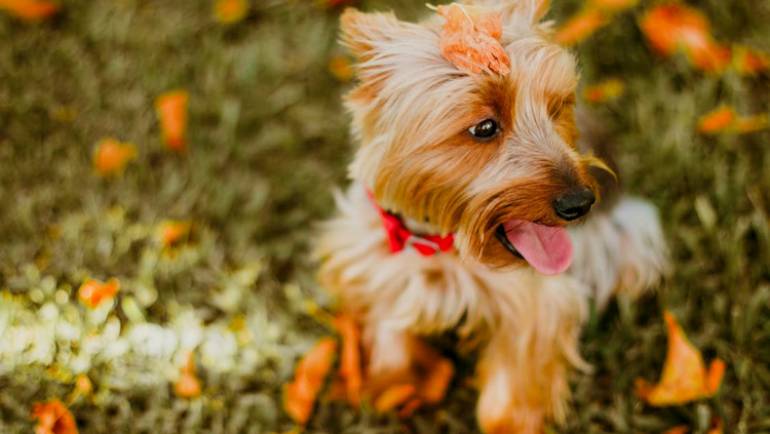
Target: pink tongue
(547,248)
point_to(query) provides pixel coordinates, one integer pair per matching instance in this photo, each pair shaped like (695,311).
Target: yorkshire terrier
(464,188)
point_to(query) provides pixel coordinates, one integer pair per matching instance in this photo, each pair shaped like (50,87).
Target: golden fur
(411,112)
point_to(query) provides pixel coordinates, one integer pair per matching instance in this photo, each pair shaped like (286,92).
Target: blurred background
(129,253)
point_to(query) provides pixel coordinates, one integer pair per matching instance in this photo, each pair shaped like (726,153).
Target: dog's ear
(362,33)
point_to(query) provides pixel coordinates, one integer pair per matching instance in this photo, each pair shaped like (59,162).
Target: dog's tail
(620,250)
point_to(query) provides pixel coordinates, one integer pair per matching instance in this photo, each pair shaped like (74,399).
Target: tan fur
(411,113)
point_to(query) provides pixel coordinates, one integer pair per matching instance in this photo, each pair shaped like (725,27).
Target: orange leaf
(93,292)
(672,27)
(684,377)
(717,120)
(300,395)
(174,231)
(394,396)
(580,27)
(439,372)
(470,39)
(230,11)
(717,427)
(679,429)
(350,359)
(340,68)
(172,113)
(604,91)
(111,156)
(188,385)
(749,62)
(30,10)
(53,418)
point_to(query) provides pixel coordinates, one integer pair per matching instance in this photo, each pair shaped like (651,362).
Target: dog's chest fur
(422,294)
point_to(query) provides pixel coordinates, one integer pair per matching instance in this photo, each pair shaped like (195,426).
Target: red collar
(399,236)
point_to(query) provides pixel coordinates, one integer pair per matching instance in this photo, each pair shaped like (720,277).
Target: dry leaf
(30,10)
(717,120)
(674,27)
(172,232)
(188,385)
(684,377)
(679,429)
(394,396)
(470,39)
(93,292)
(749,62)
(53,418)
(300,395)
(230,11)
(438,370)
(350,359)
(717,427)
(111,156)
(171,108)
(725,119)
(580,26)
(340,68)
(604,91)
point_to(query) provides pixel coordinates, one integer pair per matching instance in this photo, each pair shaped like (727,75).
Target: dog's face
(489,157)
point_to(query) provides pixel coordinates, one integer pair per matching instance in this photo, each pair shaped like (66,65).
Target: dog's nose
(574,204)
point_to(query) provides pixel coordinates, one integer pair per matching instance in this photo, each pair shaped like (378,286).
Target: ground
(268,141)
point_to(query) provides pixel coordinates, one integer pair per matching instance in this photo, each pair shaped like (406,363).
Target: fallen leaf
(750,62)
(409,408)
(30,10)
(350,359)
(188,385)
(111,156)
(299,396)
(716,120)
(470,39)
(230,11)
(171,108)
(93,292)
(679,429)
(684,377)
(717,427)
(725,119)
(53,417)
(340,68)
(394,396)
(580,26)
(604,91)
(673,27)
(438,372)
(172,232)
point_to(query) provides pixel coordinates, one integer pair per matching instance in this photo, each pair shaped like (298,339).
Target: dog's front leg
(523,370)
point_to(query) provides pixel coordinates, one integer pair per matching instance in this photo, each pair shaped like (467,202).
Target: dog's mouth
(548,249)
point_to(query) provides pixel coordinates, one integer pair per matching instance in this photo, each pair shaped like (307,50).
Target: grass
(268,140)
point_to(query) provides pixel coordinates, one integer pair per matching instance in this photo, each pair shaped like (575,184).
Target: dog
(474,208)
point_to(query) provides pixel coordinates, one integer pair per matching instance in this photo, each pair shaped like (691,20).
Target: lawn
(267,142)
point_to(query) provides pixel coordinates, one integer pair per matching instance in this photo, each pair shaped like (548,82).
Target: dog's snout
(574,203)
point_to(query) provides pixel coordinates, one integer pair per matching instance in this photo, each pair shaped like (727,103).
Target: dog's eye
(485,129)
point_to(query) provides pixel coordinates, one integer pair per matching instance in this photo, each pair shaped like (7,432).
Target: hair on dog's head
(490,157)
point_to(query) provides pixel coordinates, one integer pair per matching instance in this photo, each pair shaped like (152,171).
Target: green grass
(268,141)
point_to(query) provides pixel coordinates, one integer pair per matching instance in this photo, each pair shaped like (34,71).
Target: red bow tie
(399,236)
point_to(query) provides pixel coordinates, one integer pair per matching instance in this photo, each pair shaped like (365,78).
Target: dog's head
(490,157)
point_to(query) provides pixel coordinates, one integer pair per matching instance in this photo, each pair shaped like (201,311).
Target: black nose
(574,204)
